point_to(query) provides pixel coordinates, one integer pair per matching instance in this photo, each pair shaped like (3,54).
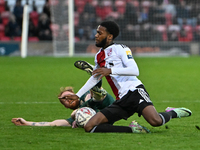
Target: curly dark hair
(112,27)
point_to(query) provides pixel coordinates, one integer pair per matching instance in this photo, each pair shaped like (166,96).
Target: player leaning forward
(115,62)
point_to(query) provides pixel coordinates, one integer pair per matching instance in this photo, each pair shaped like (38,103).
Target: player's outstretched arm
(23,122)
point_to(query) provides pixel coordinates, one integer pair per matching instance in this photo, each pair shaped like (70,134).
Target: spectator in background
(120,6)
(104,8)
(170,9)
(84,26)
(194,12)
(7,8)
(144,15)
(184,36)
(131,14)
(46,9)
(119,11)
(34,15)
(131,33)
(128,34)
(1,19)
(117,15)
(172,32)
(182,14)
(155,34)
(44,27)
(144,12)
(13,27)
(88,22)
(90,7)
(172,35)
(33,21)
(18,12)
(153,12)
(160,2)
(145,32)
(175,2)
(32,30)
(156,13)
(197,35)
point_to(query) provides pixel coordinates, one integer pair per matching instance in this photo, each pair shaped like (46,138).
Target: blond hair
(67,88)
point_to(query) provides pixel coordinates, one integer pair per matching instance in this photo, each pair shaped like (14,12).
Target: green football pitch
(29,89)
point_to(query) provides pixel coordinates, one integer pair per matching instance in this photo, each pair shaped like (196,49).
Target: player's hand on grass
(74,125)
(19,121)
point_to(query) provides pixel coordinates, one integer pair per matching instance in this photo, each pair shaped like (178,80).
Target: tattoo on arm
(42,123)
(39,123)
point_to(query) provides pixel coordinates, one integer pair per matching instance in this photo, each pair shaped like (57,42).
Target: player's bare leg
(151,116)
(97,119)
(157,119)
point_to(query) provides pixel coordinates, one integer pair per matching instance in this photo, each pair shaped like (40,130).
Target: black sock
(111,128)
(173,114)
(165,116)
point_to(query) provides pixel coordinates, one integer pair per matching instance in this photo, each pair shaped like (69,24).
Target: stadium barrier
(88,48)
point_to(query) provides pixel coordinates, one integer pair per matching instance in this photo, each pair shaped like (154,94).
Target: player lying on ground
(116,63)
(85,101)
(97,98)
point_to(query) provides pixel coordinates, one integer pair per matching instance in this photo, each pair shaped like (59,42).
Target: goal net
(60,27)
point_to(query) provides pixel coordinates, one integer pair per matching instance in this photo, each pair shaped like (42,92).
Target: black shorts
(130,103)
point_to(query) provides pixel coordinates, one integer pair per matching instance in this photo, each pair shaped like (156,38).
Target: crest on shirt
(129,54)
(109,52)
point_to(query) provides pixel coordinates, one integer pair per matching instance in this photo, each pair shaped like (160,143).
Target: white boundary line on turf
(166,101)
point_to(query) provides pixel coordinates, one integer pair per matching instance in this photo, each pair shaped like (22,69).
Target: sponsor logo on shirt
(129,54)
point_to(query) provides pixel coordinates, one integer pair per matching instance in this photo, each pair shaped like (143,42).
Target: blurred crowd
(11,22)
(139,20)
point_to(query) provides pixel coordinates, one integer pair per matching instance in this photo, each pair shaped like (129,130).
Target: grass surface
(29,88)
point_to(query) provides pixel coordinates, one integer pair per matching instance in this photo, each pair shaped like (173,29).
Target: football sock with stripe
(165,116)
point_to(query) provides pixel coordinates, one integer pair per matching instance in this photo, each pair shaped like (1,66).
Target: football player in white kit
(116,63)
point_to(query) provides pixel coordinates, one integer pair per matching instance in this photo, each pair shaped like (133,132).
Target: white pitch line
(188,101)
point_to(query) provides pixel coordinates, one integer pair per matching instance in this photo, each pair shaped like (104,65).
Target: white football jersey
(123,78)
(119,59)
